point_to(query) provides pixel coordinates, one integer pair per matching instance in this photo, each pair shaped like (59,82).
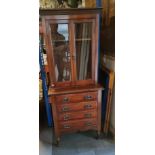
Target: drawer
(76,106)
(78,125)
(77,115)
(78,97)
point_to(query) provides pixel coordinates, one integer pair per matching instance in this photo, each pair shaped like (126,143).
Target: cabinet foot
(57,143)
(98,135)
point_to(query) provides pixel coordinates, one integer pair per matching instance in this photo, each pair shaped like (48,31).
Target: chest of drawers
(79,110)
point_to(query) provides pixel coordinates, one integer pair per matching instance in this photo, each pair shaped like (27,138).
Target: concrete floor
(83,143)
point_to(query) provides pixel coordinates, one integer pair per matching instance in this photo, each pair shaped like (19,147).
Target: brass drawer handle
(66,117)
(66,126)
(87,106)
(88,124)
(87,115)
(64,109)
(88,97)
(65,99)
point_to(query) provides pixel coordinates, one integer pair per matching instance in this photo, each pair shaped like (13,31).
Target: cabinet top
(77,89)
(66,11)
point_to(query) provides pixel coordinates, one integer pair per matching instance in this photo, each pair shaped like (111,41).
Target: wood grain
(76,104)
(79,106)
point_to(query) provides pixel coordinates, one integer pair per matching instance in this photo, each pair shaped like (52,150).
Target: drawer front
(77,115)
(78,97)
(78,125)
(76,106)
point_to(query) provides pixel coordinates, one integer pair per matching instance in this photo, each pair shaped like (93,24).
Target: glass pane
(83,37)
(60,43)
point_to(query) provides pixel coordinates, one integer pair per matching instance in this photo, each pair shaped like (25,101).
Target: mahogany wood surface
(78,129)
(74,98)
(76,104)
(69,11)
(48,50)
(77,115)
(69,84)
(75,89)
(71,19)
(78,124)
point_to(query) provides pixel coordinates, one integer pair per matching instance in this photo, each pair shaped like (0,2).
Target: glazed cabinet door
(83,47)
(71,49)
(85,54)
(59,54)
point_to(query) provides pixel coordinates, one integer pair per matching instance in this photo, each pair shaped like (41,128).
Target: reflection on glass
(83,37)
(59,33)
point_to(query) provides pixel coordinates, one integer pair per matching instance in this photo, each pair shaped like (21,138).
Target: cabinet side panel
(96,46)
(55,117)
(48,50)
(99,110)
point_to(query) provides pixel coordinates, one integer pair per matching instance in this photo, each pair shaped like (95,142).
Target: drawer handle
(88,124)
(87,115)
(88,97)
(65,109)
(66,117)
(65,99)
(66,126)
(87,106)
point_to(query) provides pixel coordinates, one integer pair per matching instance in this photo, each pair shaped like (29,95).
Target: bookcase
(71,42)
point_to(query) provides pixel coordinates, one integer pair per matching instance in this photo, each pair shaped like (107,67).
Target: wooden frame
(111,75)
(71,17)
